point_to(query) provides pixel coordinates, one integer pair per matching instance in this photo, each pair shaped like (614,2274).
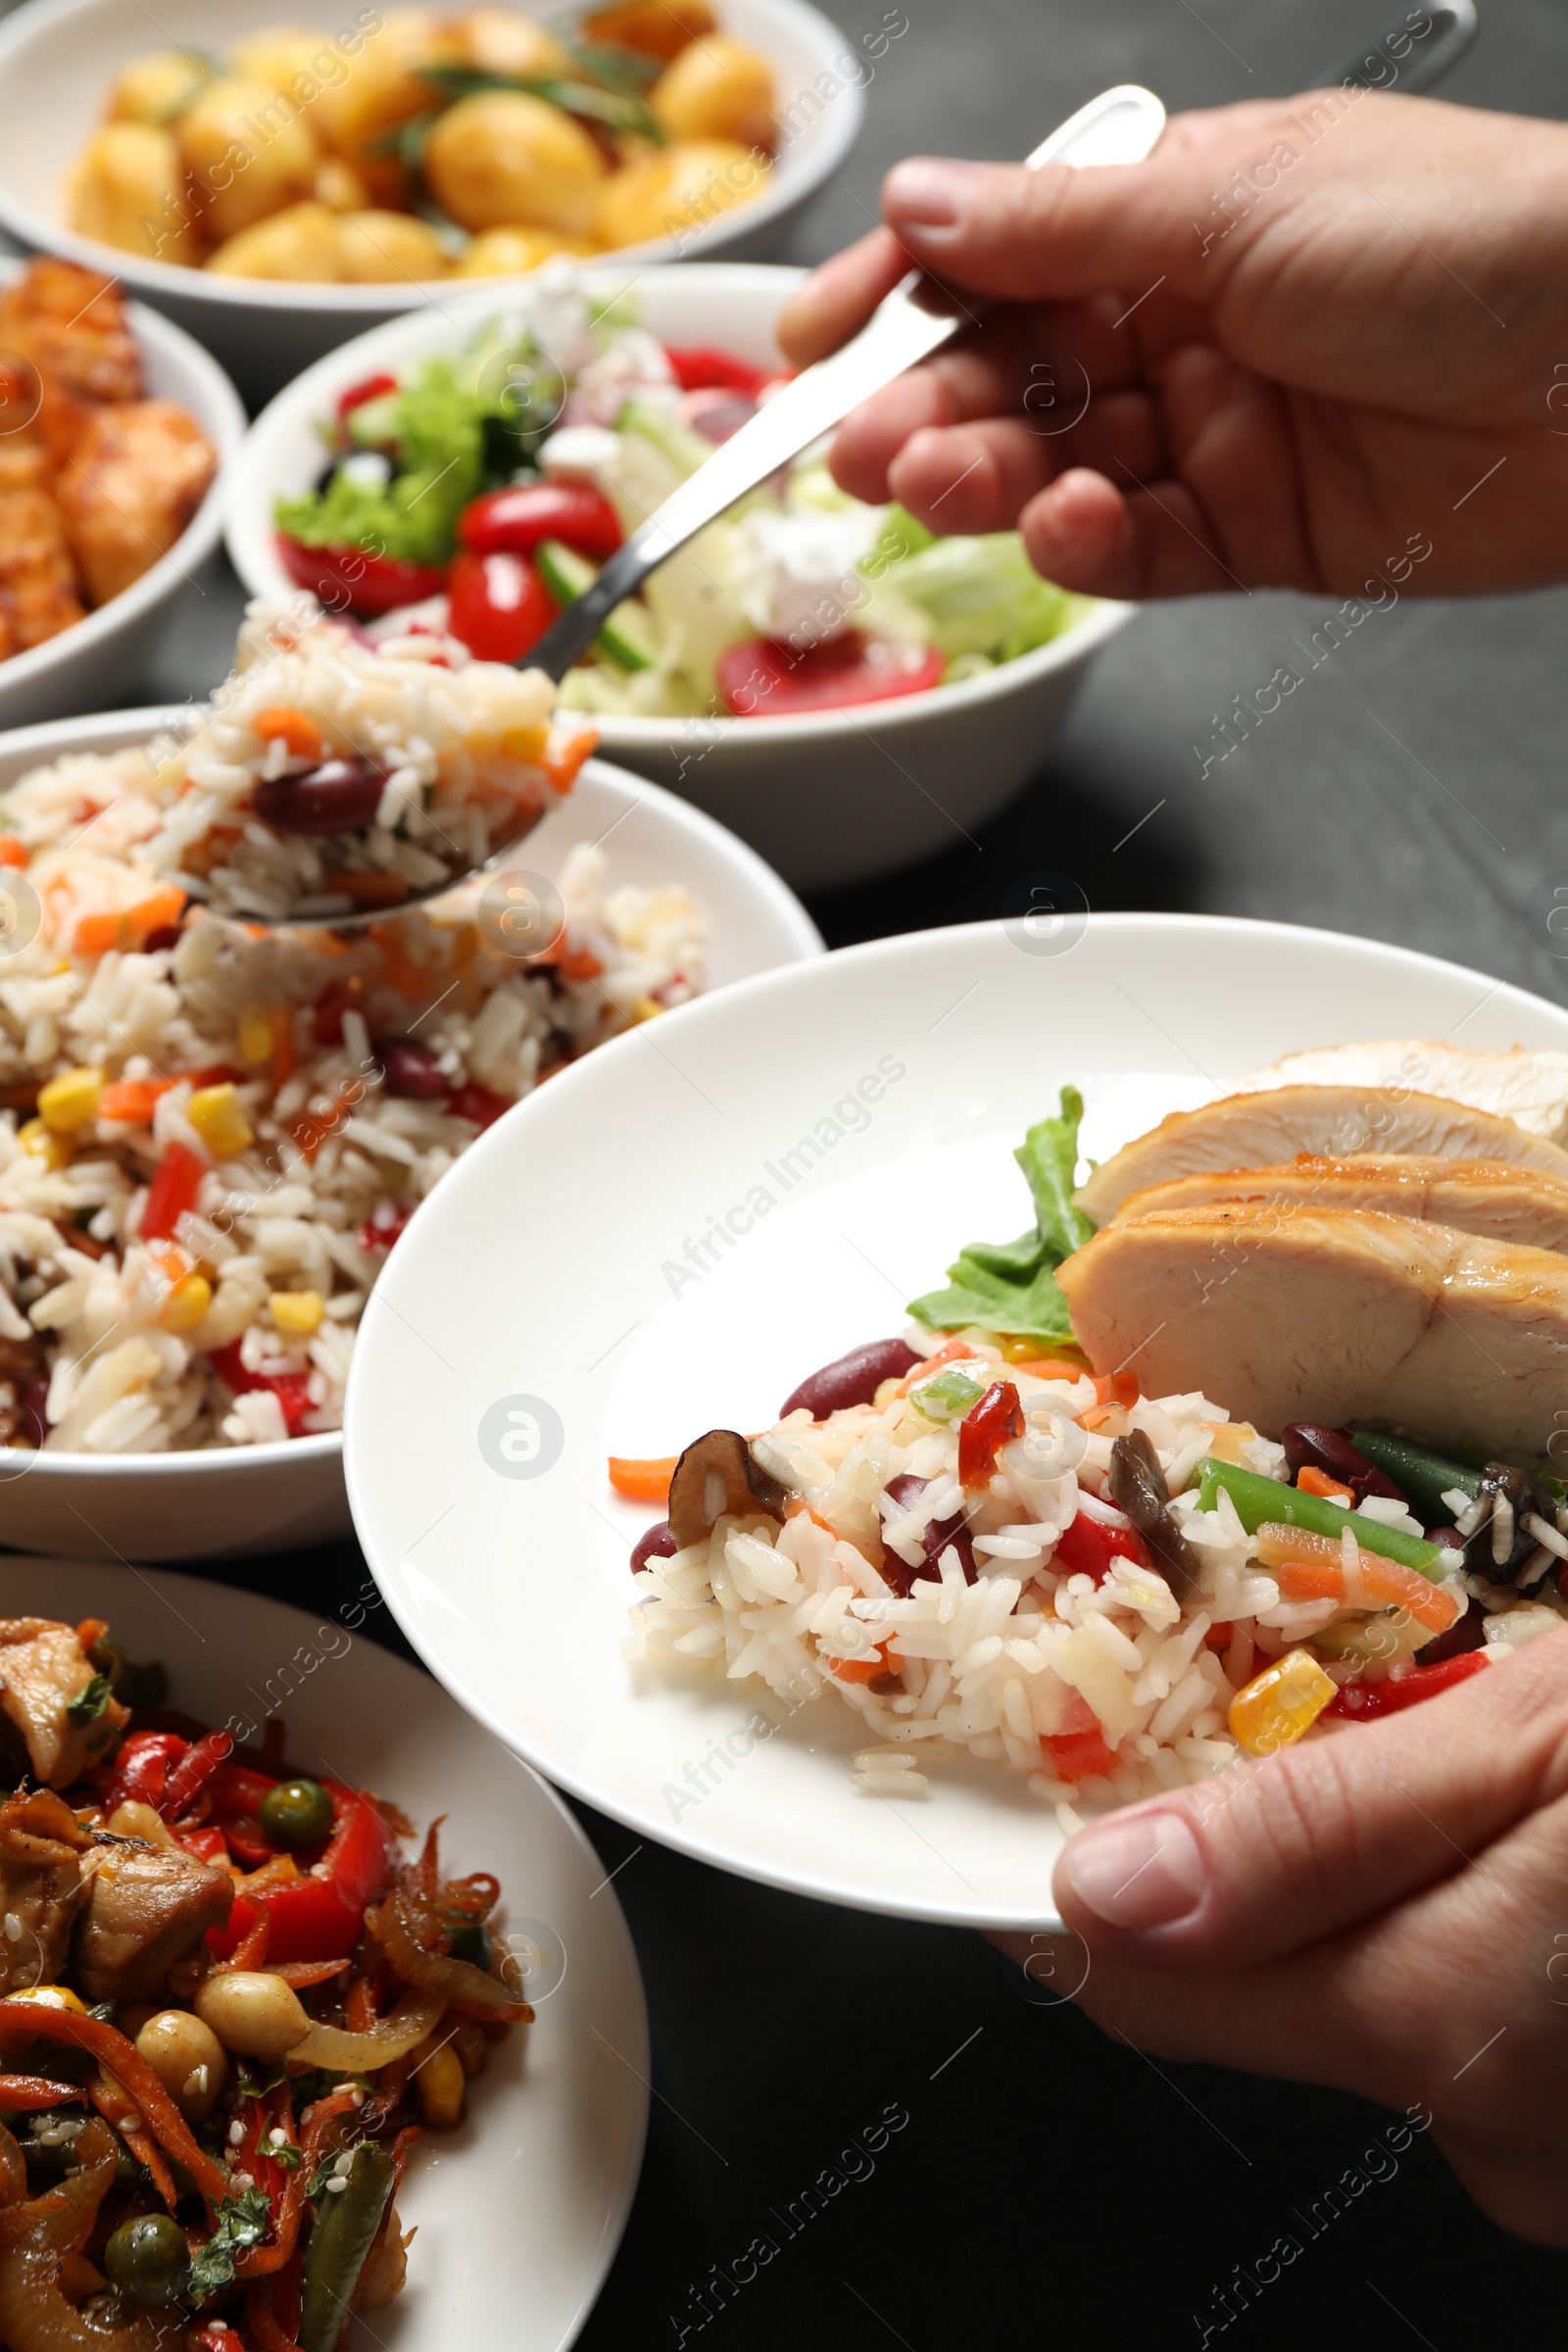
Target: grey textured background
(1049,2187)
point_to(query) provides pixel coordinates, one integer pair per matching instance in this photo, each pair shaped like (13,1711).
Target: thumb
(1269,1858)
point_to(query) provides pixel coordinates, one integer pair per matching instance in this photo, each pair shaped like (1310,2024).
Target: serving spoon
(920,314)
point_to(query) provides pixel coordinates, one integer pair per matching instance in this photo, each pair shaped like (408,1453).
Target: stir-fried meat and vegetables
(230,2005)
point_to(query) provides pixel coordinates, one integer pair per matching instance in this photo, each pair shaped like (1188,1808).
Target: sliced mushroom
(716,1475)
(1138,1488)
(1502,1528)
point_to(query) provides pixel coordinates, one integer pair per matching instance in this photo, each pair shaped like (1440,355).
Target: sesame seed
(278,2136)
(130,2123)
(337,2184)
(244,2181)
(13,1928)
(345,2162)
(236,2132)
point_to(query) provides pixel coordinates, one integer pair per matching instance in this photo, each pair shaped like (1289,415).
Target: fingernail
(926,195)
(1143,1872)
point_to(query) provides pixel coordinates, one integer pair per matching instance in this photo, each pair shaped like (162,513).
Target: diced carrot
(1218,1636)
(944,1355)
(283,1058)
(1052,1367)
(372,889)
(96,935)
(566,754)
(643,1480)
(1117,1388)
(405,975)
(101,934)
(860,1670)
(14,851)
(1311,1481)
(797,1508)
(132,1100)
(294,727)
(580,964)
(1311,1567)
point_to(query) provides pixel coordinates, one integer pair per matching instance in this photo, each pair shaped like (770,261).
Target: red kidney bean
(167,935)
(410,1070)
(1331,1452)
(854,1379)
(658,1543)
(340,795)
(934,1543)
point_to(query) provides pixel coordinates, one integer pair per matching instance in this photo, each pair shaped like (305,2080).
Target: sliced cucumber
(627,636)
(685,450)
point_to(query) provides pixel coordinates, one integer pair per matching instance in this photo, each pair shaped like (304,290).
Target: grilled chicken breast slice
(1528,1084)
(1524,1205)
(1263,1130)
(44,1671)
(1331,1315)
(147,1907)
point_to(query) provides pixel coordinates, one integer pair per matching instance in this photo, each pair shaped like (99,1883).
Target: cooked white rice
(121,1329)
(992,1669)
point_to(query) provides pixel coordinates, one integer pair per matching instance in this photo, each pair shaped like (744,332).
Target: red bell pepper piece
(177,1181)
(192,1771)
(700,366)
(208,1845)
(319,1917)
(985,1429)
(291,1389)
(141,1768)
(372,1235)
(348,580)
(500,606)
(1362,1701)
(513,521)
(1087,1548)
(372,388)
(1078,1747)
(765,679)
(236,1793)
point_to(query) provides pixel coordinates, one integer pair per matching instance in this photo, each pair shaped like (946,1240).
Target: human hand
(1313,337)
(1385,1910)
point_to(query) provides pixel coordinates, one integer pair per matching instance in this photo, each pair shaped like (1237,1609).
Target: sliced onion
(362,2053)
(34,2235)
(396,1927)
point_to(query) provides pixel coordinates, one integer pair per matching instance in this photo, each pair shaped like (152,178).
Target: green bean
(347,2220)
(1260,1502)
(1425,1476)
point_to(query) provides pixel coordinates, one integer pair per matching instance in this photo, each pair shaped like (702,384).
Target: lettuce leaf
(440,437)
(1011,1286)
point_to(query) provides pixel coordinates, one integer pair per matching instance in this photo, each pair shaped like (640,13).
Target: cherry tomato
(1087,1548)
(762,678)
(500,605)
(985,1429)
(699,367)
(357,395)
(346,580)
(513,521)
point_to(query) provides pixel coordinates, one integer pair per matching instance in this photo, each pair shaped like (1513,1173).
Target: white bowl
(509,1576)
(92,661)
(829,797)
(58,58)
(225,1502)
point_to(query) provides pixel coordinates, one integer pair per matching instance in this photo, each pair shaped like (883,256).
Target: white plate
(828,797)
(551,1265)
(519,2211)
(250,1499)
(58,57)
(91,661)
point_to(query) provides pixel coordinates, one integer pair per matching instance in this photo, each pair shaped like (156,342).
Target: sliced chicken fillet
(1264,1130)
(1524,1205)
(1331,1315)
(1528,1084)
(44,1671)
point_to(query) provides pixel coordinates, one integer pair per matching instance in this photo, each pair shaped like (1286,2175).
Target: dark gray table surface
(1049,2186)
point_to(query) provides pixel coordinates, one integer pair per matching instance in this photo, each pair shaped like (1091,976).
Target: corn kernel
(645,1008)
(52,1996)
(34,1137)
(525,743)
(70,1101)
(217,1115)
(439,2076)
(297,1312)
(254,1033)
(1281,1703)
(186,1304)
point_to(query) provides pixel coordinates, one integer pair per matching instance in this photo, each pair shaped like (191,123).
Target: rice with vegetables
(985,1547)
(211,1136)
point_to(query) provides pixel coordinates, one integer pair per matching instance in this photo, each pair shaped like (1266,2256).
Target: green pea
(146,2258)
(296,1815)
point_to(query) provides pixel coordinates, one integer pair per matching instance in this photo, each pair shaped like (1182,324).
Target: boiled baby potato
(126,189)
(153,89)
(717,89)
(300,244)
(498,40)
(382,87)
(502,157)
(338,184)
(378,248)
(679,187)
(250,148)
(506,251)
(658,28)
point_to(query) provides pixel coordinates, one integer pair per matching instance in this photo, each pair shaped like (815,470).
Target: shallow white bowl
(519,2211)
(58,58)
(828,797)
(224,1501)
(103,654)
(515,1589)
